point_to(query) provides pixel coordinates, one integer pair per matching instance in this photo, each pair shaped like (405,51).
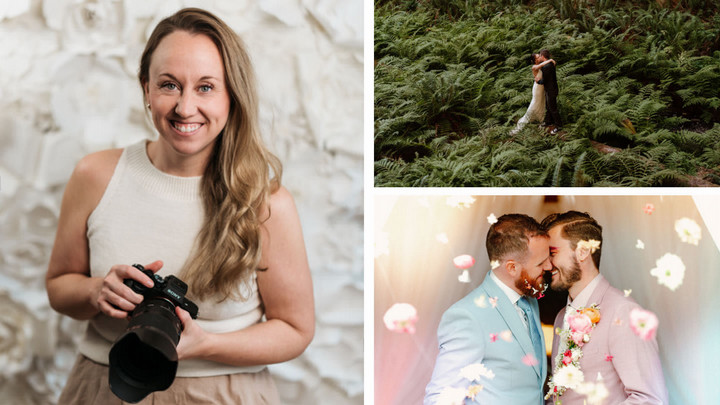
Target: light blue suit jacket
(464,339)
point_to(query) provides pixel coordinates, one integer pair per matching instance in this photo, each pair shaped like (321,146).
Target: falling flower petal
(494,264)
(493,337)
(493,301)
(464,277)
(492,219)
(670,271)
(639,244)
(649,208)
(688,231)
(474,390)
(595,392)
(451,396)
(592,245)
(618,322)
(460,201)
(627,292)
(529,360)
(474,372)
(463,261)
(643,323)
(401,318)
(506,335)
(480,301)
(442,238)
(608,357)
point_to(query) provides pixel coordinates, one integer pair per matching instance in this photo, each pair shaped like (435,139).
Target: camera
(144,358)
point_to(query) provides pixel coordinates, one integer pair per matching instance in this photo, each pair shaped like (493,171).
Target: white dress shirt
(513,296)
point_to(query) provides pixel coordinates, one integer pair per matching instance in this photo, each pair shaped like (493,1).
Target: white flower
(460,201)
(627,292)
(401,318)
(10,9)
(88,27)
(506,335)
(16,332)
(475,371)
(464,277)
(595,392)
(481,301)
(494,264)
(639,244)
(451,396)
(670,271)
(492,219)
(688,231)
(442,238)
(568,377)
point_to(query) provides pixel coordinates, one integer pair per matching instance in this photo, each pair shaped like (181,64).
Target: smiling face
(186,90)
(566,269)
(536,262)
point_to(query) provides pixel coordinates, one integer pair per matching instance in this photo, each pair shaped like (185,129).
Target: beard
(532,288)
(567,277)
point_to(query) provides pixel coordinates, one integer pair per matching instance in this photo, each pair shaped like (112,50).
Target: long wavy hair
(240,175)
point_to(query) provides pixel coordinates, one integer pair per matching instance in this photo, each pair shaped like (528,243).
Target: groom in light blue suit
(497,325)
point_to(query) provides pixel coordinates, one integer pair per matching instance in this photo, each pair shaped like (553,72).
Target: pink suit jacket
(633,375)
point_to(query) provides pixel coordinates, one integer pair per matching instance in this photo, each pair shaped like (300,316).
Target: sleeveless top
(147,215)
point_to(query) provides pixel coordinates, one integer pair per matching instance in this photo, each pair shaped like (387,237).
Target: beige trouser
(88,384)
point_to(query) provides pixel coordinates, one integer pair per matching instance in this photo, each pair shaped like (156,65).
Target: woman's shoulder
(92,175)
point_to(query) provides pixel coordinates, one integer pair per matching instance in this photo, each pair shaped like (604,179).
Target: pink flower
(579,322)
(529,360)
(464,261)
(493,301)
(401,318)
(643,323)
(493,337)
(649,208)
(578,338)
(567,358)
(608,357)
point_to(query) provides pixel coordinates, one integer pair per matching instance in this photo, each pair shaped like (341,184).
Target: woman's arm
(70,288)
(537,67)
(287,294)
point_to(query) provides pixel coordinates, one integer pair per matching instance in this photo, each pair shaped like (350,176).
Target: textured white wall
(68,88)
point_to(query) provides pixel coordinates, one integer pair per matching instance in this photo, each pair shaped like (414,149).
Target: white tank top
(147,215)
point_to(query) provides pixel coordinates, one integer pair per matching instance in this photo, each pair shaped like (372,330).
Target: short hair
(577,226)
(545,53)
(511,235)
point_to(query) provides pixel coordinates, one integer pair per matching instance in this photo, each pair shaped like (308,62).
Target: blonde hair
(237,181)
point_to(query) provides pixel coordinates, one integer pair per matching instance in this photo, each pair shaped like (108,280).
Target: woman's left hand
(193,337)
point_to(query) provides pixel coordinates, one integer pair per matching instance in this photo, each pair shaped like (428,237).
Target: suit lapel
(597,296)
(512,319)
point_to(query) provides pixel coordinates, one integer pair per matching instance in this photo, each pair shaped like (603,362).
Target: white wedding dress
(536,111)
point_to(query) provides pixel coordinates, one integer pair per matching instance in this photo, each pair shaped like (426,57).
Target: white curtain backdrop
(414,265)
(68,87)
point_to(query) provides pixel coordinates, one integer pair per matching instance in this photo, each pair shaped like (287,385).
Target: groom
(549,80)
(492,349)
(630,366)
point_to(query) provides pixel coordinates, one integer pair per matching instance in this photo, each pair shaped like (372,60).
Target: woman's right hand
(113,298)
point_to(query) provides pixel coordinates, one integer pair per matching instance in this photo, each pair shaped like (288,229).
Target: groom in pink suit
(629,365)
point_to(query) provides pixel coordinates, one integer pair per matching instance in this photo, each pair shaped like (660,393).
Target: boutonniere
(567,373)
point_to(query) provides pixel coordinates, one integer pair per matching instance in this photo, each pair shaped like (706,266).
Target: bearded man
(491,344)
(596,344)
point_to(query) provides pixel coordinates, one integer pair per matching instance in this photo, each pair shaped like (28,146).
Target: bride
(536,110)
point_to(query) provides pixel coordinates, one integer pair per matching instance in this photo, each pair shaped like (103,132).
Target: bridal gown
(536,110)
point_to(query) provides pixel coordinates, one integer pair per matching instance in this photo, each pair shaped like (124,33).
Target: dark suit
(549,80)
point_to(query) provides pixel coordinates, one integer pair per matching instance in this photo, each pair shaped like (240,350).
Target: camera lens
(144,359)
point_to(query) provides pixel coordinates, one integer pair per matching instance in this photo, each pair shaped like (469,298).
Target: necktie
(534,333)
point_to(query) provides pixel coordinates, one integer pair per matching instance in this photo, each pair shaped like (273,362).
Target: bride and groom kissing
(491,345)
(544,94)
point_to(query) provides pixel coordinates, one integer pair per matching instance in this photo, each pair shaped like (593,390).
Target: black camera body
(144,358)
(171,288)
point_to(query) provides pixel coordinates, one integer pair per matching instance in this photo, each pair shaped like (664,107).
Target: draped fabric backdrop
(413,264)
(68,87)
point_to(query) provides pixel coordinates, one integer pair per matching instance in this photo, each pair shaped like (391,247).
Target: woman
(536,110)
(202,202)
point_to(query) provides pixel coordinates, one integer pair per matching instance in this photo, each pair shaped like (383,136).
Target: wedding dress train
(536,110)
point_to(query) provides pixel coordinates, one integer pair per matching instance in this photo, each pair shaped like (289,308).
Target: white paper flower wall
(68,87)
